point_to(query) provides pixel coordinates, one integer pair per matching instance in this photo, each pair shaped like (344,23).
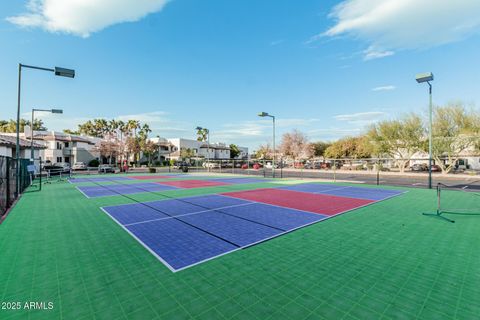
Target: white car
(211,165)
(79,166)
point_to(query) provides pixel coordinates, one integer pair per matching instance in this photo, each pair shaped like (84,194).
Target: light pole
(31,130)
(208,145)
(421,78)
(266,114)
(61,72)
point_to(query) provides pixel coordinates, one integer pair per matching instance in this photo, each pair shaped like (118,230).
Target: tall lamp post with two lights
(61,72)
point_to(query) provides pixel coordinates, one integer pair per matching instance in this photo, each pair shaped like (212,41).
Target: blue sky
(327,68)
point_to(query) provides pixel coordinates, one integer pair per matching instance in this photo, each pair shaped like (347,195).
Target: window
(59,146)
(66,144)
(59,159)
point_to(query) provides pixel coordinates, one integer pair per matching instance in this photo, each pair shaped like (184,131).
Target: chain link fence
(8,183)
(380,171)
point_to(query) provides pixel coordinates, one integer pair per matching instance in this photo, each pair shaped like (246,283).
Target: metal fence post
(334,170)
(7,171)
(378,172)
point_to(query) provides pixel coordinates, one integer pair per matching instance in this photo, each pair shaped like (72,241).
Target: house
(8,145)
(62,147)
(165,149)
(173,148)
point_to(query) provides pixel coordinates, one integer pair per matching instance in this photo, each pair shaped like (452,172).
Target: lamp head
(424,77)
(263,114)
(63,72)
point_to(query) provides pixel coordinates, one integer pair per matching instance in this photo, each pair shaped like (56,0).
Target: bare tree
(296,146)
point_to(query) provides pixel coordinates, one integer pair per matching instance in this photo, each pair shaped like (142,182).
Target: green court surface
(383,261)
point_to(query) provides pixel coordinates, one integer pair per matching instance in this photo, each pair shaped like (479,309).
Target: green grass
(384,261)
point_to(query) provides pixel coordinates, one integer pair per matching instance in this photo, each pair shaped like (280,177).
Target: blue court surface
(240,180)
(98,179)
(345,191)
(121,189)
(187,231)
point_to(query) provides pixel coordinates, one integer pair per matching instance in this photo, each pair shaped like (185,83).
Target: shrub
(94,163)
(152,170)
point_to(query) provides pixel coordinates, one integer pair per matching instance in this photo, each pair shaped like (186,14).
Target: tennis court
(185,231)
(382,259)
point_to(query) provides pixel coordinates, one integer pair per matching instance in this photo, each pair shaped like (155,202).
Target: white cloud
(361,118)
(83,17)
(384,88)
(404,24)
(374,53)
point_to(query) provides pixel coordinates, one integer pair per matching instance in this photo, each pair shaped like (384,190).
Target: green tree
(350,147)
(456,130)
(187,153)
(318,148)
(202,135)
(234,151)
(263,152)
(399,139)
(68,131)
(11,125)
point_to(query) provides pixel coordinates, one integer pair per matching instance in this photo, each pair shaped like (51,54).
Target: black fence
(8,181)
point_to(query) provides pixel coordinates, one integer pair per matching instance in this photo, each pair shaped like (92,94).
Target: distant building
(8,145)
(172,149)
(61,147)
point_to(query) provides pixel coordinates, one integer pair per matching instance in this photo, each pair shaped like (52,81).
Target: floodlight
(424,77)
(63,72)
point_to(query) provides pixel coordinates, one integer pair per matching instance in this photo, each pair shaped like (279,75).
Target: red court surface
(317,203)
(190,184)
(150,177)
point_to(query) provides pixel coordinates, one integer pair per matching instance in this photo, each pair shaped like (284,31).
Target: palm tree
(144,131)
(133,125)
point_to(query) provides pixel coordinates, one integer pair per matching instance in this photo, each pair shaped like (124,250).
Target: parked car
(269,165)
(63,165)
(354,165)
(325,165)
(106,168)
(256,166)
(313,165)
(436,168)
(211,165)
(79,166)
(419,167)
(57,168)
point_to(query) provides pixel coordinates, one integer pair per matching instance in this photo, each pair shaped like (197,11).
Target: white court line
(188,214)
(141,242)
(82,192)
(329,190)
(350,197)
(324,217)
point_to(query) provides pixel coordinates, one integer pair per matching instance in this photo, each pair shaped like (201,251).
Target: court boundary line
(121,194)
(346,187)
(324,218)
(82,192)
(189,214)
